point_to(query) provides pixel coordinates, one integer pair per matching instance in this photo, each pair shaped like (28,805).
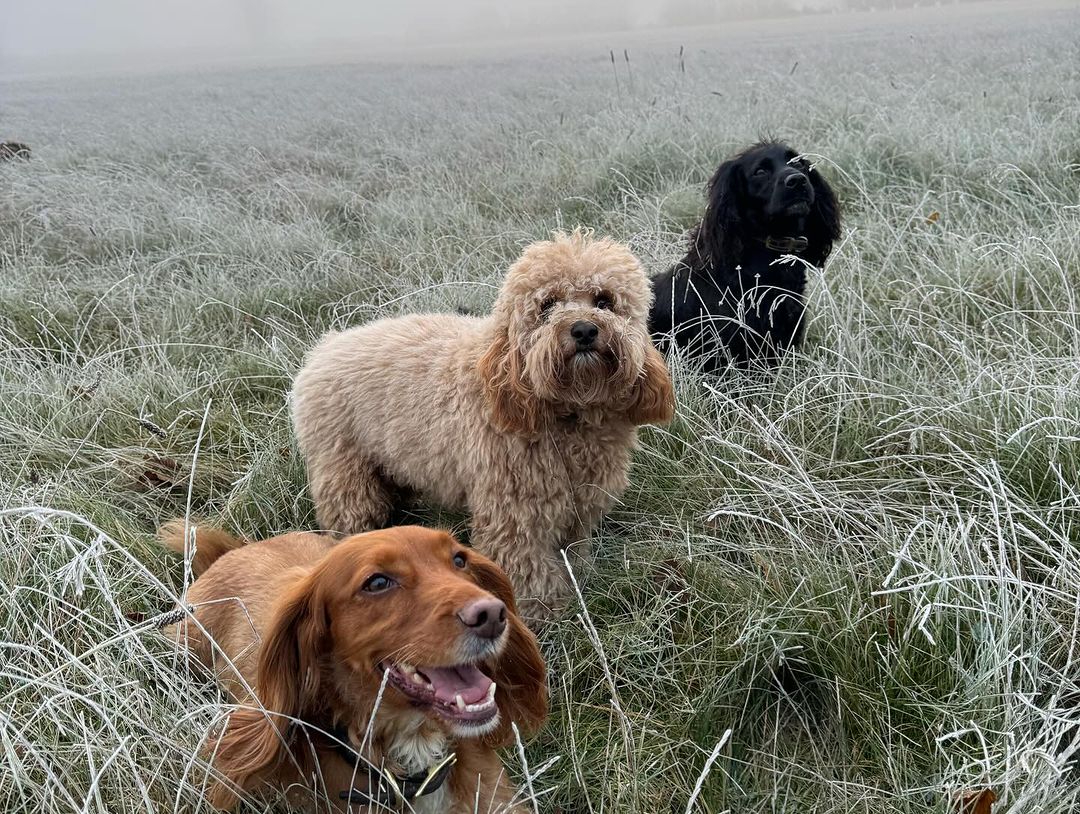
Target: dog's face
(572,329)
(768,191)
(777,183)
(436,622)
(412,608)
(405,613)
(580,324)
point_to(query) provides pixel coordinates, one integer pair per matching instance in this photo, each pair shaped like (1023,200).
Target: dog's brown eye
(459,560)
(547,305)
(761,171)
(604,302)
(378,583)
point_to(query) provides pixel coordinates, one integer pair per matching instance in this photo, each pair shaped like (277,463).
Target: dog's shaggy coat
(737,296)
(526,418)
(329,639)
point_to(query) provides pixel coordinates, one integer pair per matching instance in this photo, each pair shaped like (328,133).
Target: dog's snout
(796,180)
(584,333)
(484,617)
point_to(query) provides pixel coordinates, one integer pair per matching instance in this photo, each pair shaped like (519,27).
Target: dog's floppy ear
(654,396)
(520,674)
(513,407)
(823,224)
(254,741)
(720,236)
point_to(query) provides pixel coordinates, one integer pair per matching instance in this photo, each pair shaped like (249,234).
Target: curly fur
(499,415)
(733,299)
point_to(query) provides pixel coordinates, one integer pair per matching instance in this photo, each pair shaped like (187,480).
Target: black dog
(732,300)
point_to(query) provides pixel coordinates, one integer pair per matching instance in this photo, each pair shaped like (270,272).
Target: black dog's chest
(762,302)
(756,311)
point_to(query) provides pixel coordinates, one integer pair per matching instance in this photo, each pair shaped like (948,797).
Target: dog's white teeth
(460,702)
(482,705)
(417,678)
(406,668)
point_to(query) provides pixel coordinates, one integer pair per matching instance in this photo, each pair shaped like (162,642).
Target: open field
(867,568)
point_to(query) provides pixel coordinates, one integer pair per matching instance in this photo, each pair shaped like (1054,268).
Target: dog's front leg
(519,537)
(350,494)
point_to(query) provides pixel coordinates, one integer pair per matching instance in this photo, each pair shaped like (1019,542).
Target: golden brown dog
(377,663)
(526,418)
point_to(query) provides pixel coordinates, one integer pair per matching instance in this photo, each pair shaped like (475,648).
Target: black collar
(785,245)
(386,789)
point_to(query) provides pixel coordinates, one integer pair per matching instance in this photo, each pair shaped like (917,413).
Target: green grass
(865,568)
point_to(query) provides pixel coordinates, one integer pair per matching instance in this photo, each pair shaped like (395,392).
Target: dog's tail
(210,543)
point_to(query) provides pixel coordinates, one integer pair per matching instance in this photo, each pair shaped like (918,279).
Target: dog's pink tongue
(467,681)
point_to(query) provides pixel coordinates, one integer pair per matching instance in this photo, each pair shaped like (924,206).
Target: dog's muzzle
(584,333)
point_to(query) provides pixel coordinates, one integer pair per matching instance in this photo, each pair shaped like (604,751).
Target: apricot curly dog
(526,417)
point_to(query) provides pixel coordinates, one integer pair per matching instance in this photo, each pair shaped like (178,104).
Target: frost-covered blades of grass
(865,567)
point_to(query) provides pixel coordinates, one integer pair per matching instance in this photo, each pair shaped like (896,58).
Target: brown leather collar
(786,245)
(386,789)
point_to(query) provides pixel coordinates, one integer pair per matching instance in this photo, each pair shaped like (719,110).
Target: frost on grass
(863,568)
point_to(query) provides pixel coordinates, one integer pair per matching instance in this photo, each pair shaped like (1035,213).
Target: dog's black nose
(796,180)
(484,617)
(584,333)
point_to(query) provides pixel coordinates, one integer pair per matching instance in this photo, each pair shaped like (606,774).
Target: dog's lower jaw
(598,385)
(575,367)
(461,696)
(592,359)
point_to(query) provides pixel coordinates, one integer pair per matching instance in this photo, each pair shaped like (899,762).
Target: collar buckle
(388,790)
(787,245)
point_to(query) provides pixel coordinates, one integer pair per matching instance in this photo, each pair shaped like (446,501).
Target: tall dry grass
(851,587)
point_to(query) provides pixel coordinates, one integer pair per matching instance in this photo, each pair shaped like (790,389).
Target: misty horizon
(67,34)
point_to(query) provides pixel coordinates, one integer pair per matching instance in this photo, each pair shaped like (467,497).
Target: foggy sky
(48,27)
(67,33)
